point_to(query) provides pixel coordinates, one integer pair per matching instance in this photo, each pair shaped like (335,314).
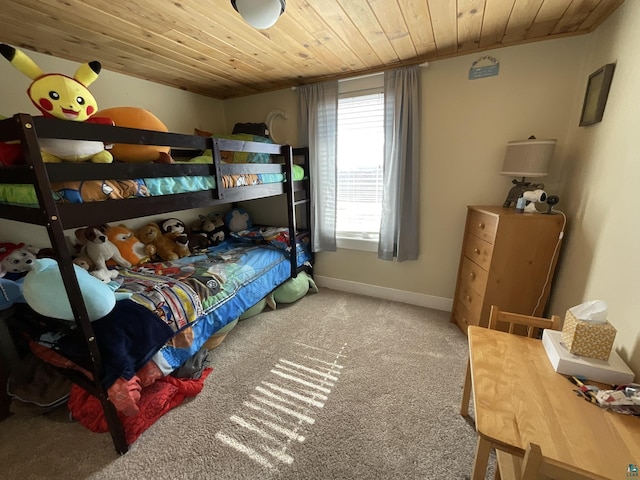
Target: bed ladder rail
(55,231)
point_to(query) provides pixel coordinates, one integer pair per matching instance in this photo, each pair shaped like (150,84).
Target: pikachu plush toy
(60,96)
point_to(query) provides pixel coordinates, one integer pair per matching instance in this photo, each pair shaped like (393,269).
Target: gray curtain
(400,221)
(318,118)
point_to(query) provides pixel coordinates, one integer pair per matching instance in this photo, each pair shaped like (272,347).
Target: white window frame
(365,85)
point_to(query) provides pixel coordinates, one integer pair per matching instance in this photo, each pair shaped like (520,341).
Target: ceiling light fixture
(260,14)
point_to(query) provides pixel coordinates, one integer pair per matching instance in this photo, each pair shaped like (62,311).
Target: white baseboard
(412,298)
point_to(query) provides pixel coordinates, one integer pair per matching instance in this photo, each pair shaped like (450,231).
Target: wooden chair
(530,325)
(535,466)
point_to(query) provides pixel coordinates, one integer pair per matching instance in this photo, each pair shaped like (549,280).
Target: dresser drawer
(478,251)
(470,299)
(482,225)
(463,317)
(473,275)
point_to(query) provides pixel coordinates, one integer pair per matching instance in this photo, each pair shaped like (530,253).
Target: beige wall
(466,125)
(601,256)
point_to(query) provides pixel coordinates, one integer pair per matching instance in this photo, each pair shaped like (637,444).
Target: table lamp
(526,158)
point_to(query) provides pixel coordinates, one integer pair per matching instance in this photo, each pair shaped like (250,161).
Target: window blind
(360,160)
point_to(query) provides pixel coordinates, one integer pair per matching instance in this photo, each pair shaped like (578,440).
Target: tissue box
(613,371)
(593,340)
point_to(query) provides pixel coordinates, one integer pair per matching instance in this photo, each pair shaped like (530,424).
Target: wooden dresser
(508,259)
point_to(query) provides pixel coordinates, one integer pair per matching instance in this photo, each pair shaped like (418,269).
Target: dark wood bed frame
(58,217)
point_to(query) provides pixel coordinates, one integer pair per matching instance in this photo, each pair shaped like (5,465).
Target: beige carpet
(336,386)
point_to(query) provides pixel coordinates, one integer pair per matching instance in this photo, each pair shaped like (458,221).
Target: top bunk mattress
(196,166)
(100,190)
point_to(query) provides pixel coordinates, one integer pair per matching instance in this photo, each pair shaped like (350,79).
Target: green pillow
(298,172)
(227,328)
(259,307)
(294,289)
(255,310)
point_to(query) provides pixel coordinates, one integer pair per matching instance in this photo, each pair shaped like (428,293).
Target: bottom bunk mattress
(188,299)
(228,280)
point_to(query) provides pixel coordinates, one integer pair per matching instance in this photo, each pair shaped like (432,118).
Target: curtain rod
(422,65)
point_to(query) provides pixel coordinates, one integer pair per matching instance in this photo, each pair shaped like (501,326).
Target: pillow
(238,157)
(44,291)
(294,289)
(259,307)
(298,172)
(255,310)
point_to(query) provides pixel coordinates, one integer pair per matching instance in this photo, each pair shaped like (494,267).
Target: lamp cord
(555,251)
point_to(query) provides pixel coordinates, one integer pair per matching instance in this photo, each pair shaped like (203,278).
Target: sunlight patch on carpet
(283,405)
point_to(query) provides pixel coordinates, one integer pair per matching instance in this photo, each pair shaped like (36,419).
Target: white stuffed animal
(100,249)
(16,259)
(532,197)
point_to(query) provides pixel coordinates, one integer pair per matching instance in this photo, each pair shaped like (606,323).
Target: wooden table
(519,398)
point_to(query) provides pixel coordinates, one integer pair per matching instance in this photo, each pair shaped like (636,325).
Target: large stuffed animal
(134,117)
(163,246)
(99,249)
(127,243)
(57,95)
(196,240)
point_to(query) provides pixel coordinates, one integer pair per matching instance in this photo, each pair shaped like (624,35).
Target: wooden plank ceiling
(205,47)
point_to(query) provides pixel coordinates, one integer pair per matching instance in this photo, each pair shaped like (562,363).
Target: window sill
(357,244)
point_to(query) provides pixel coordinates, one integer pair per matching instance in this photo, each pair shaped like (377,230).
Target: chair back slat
(531,325)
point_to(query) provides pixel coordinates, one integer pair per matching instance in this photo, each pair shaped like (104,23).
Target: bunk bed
(222,181)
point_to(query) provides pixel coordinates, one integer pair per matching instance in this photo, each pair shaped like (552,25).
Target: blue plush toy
(44,291)
(237,220)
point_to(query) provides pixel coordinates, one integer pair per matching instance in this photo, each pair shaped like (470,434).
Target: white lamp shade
(528,158)
(260,14)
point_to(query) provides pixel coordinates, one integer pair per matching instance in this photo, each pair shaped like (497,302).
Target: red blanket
(155,400)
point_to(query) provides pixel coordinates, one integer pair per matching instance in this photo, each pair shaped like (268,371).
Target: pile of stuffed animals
(99,247)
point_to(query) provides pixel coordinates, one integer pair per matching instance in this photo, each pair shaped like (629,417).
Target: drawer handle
(481,226)
(476,251)
(467,298)
(472,276)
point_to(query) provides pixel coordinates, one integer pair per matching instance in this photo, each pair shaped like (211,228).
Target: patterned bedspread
(186,301)
(218,287)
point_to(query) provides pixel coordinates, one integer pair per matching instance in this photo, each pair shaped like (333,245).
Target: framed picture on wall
(595,97)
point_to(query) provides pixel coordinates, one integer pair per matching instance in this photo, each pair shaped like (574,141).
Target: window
(360,162)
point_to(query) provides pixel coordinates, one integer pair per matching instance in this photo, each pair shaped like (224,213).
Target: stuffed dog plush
(100,249)
(16,259)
